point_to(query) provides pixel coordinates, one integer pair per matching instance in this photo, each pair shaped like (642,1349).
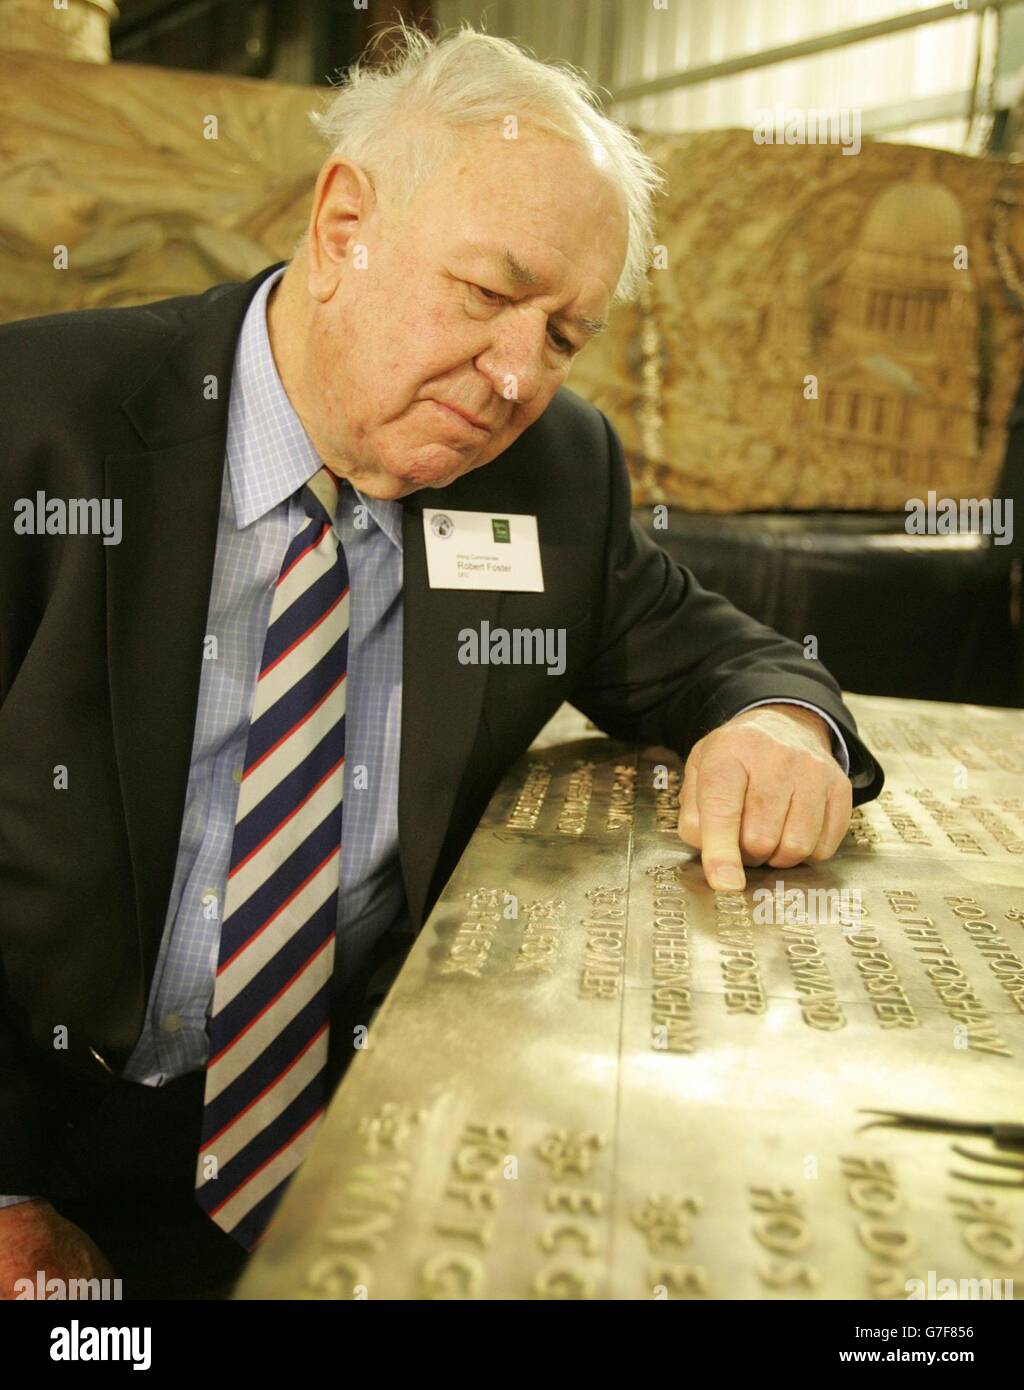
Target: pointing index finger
(721,791)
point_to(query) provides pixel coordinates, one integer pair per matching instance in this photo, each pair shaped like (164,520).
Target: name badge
(482,550)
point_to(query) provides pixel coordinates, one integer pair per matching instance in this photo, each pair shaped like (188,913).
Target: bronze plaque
(597,1078)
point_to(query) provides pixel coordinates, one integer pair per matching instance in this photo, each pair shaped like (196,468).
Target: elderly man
(240,752)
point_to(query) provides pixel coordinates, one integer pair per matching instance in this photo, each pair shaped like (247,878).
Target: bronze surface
(597,1078)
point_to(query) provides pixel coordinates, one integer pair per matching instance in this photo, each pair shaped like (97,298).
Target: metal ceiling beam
(159,18)
(804,48)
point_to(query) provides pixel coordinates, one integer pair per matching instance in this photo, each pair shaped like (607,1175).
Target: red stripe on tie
(268,1006)
(297,725)
(280,826)
(256,1171)
(299,640)
(269,1087)
(276,913)
(301,555)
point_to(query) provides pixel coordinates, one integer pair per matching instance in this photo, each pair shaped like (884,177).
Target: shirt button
(172,1023)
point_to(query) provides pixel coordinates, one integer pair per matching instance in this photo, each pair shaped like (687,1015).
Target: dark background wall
(302,41)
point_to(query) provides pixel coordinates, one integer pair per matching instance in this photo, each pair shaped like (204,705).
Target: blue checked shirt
(269,458)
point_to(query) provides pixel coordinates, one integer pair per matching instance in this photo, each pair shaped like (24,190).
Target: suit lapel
(158,584)
(441,699)
(158,587)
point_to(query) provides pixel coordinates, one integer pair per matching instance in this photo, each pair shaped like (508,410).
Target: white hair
(398,120)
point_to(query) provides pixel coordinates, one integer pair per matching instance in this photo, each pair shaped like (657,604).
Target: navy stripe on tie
(309,610)
(279,1134)
(251,1229)
(308,539)
(297,702)
(275,1059)
(282,884)
(267,1141)
(289,796)
(264,985)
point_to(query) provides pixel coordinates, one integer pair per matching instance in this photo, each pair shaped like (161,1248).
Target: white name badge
(482,550)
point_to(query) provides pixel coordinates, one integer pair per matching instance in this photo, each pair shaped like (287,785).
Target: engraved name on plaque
(597,1078)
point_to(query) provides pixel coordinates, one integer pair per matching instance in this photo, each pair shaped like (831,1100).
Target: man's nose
(514,363)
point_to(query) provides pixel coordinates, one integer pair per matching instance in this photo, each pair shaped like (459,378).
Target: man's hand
(764,788)
(34,1236)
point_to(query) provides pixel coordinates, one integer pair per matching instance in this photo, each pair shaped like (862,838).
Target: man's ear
(343,200)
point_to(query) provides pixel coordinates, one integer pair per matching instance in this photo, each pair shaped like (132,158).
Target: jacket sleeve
(672,660)
(22,1162)
(21,1146)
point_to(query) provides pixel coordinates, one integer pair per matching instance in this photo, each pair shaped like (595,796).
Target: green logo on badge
(499,525)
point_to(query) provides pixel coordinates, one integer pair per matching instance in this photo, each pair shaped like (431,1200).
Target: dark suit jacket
(100,652)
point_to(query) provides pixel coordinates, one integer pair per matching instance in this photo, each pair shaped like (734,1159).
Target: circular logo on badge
(442,525)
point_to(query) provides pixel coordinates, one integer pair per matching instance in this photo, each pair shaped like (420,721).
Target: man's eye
(490,296)
(561,343)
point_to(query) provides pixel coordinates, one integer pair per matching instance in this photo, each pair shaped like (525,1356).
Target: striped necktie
(265,1077)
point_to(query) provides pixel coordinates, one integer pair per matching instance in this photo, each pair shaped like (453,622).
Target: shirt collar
(269,453)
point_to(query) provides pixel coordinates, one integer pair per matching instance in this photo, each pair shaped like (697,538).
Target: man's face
(477,296)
